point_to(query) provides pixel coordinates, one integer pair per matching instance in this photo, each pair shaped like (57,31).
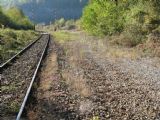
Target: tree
(18,18)
(111,16)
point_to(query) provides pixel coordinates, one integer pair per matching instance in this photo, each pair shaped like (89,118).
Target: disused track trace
(11,61)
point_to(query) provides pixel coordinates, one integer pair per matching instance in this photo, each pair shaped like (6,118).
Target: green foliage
(14,18)
(4,20)
(70,24)
(64,24)
(59,23)
(18,18)
(134,18)
(102,19)
(131,36)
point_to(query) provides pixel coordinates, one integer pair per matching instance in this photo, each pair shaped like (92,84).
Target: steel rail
(32,81)
(19,53)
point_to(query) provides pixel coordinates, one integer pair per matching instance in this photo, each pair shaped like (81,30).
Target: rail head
(32,81)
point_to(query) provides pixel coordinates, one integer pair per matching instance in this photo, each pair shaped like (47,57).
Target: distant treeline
(14,18)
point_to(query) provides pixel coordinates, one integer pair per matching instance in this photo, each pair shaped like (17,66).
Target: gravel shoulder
(80,81)
(115,87)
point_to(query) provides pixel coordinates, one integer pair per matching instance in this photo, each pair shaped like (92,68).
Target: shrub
(134,35)
(103,19)
(134,19)
(64,24)
(59,23)
(70,24)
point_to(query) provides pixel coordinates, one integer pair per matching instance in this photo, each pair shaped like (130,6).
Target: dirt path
(79,82)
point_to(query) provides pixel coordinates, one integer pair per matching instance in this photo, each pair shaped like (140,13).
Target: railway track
(17,76)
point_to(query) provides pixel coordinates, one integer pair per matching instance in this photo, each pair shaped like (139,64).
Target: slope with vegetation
(15,32)
(12,41)
(14,18)
(132,20)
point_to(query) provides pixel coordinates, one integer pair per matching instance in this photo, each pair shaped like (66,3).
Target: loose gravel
(85,84)
(15,79)
(119,94)
(121,88)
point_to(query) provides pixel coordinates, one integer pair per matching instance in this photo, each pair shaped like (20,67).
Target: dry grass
(106,48)
(63,36)
(78,84)
(117,52)
(32,115)
(150,48)
(48,72)
(75,53)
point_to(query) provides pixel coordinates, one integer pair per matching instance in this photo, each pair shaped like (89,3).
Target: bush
(133,35)
(4,20)
(135,19)
(59,23)
(103,19)
(70,24)
(64,24)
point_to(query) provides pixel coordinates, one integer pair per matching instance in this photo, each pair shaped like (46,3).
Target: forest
(134,19)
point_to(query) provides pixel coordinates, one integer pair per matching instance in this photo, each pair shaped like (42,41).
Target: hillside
(14,18)
(48,10)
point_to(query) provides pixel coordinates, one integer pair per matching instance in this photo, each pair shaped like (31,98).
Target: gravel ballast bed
(121,88)
(119,94)
(16,78)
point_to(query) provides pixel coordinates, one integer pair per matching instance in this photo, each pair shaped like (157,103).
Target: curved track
(17,76)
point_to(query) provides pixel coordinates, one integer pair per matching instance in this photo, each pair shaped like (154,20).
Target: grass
(109,47)
(64,36)
(103,45)
(77,83)
(8,88)
(126,45)
(14,106)
(117,52)
(12,41)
